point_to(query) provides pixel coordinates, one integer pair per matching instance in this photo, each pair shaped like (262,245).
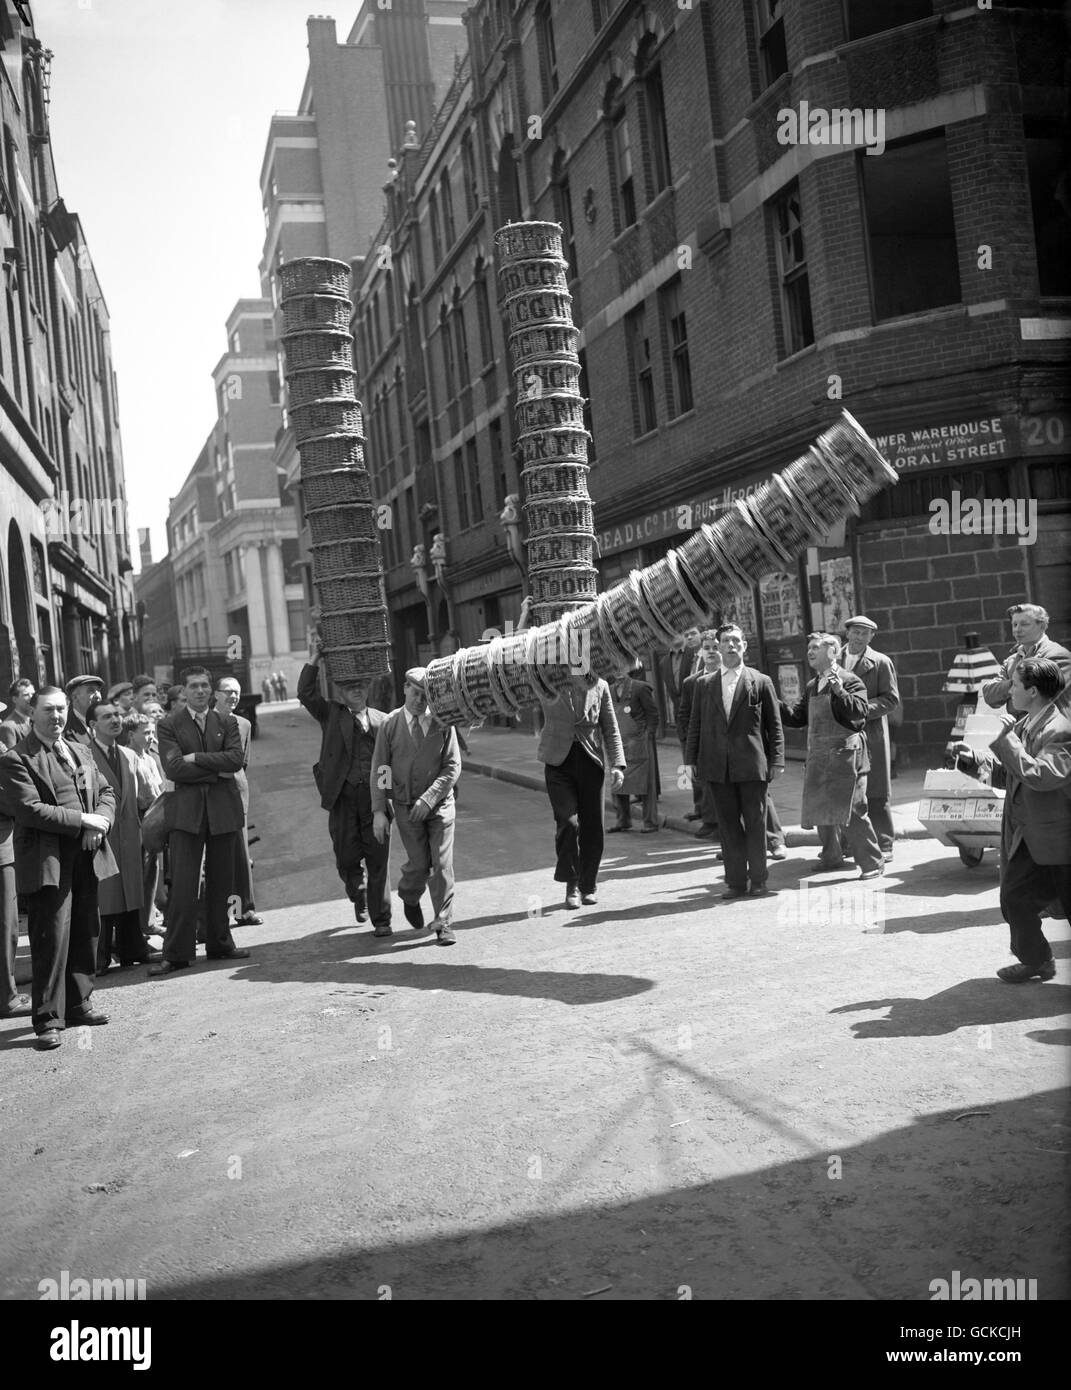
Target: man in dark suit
(676,666)
(833,711)
(1034,749)
(12,1003)
(710,657)
(343,779)
(19,714)
(62,810)
(228,693)
(878,675)
(82,693)
(201,751)
(736,745)
(637,722)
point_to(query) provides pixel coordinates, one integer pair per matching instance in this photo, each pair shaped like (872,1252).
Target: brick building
(740,275)
(66,593)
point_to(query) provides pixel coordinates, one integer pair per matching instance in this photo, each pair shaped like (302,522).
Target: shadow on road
(970,1004)
(783,1231)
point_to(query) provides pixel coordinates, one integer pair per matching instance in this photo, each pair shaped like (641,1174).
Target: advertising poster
(789,684)
(780,598)
(838,593)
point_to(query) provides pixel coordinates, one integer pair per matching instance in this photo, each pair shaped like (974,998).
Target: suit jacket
(76,729)
(427,774)
(590,720)
(245,730)
(996,693)
(207,784)
(41,823)
(878,675)
(338,731)
(748,745)
(21,724)
(1037,803)
(674,683)
(686,702)
(123,891)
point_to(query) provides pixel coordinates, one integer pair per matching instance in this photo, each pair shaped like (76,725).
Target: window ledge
(781,83)
(680,419)
(647,436)
(659,201)
(488,367)
(620,240)
(796,356)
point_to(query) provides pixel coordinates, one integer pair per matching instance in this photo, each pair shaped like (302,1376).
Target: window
(436,232)
(773,56)
(621,168)
(377,327)
(548,51)
(913,260)
(864,17)
(654,109)
(475,488)
(600,13)
(447,346)
(236,342)
(472,186)
(446,203)
(563,211)
(679,389)
(388,294)
(641,375)
(1052,222)
(483,312)
(796,324)
(498,461)
(461,491)
(461,340)
(585,391)
(296,622)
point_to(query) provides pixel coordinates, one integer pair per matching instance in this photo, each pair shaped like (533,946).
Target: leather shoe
(360,912)
(141,960)
(446,936)
(779,853)
(1020,974)
(589,899)
(383,931)
(761,891)
(91,1019)
(693,815)
(169,967)
(413,915)
(873,873)
(616,829)
(821,867)
(227,955)
(731,893)
(250,919)
(708,832)
(572,895)
(18,1008)
(51,1038)
(650,829)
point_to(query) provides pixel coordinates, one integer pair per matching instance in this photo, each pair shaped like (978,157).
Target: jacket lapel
(743,688)
(105,768)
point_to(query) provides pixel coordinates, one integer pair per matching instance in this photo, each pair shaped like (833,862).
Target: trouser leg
(84,928)
(733,841)
(879,810)
(243,871)
(1025,888)
(589,781)
(48,913)
(751,798)
(831,853)
(775,835)
(861,836)
(564,801)
(440,827)
(219,890)
(624,810)
(185,850)
(9,935)
(417,867)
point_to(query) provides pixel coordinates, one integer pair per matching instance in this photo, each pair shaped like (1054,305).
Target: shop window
(770,26)
(641,372)
(797,325)
(1050,192)
(911,228)
(865,17)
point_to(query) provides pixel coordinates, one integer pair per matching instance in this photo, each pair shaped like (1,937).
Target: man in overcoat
(878,675)
(637,722)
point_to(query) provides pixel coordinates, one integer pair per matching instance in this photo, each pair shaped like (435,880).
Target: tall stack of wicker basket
(347,566)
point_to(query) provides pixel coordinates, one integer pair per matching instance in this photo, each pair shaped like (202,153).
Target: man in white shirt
(878,675)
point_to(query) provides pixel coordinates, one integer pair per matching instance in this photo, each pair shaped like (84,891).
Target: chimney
(145,546)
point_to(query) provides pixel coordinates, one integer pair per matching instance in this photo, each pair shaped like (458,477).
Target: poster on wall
(780,598)
(838,593)
(741,610)
(789,684)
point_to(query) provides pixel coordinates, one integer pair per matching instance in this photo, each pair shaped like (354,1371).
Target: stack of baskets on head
(768,532)
(326,416)
(553,443)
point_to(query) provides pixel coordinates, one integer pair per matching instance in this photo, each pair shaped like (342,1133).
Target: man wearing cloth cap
(414,768)
(122,696)
(878,675)
(343,777)
(82,691)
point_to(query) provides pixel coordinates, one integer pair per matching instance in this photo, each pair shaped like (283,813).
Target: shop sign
(670,521)
(953,443)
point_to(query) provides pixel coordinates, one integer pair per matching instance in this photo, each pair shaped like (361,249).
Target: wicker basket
(669,598)
(519,241)
(746,548)
(314,275)
(478,689)
(320,384)
(557,481)
(358,663)
(544,343)
(586,646)
(526,277)
(815,480)
(553,447)
(445,695)
(351,591)
(303,312)
(539,307)
(330,416)
(552,516)
(545,664)
(513,674)
(318,349)
(779,516)
(338,559)
(852,449)
(555,411)
(339,487)
(355,627)
(562,551)
(555,611)
(545,376)
(575,585)
(329,451)
(356,522)
(708,571)
(625,614)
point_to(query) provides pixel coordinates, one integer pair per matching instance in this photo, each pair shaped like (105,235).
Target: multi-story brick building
(741,274)
(66,593)
(325,165)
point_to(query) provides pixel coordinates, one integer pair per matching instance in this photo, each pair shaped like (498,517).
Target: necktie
(199,720)
(113,759)
(67,762)
(418,732)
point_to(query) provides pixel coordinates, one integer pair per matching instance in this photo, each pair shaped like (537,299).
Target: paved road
(824,1095)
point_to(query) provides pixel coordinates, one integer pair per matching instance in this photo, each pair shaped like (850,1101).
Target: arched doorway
(21,607)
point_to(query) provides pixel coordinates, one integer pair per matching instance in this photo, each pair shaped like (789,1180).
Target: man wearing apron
(833,711)
(637,722)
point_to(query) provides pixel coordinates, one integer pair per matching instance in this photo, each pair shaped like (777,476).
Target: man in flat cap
(415,766)
(878,675)
(82,692)
(343,777)
(121,695)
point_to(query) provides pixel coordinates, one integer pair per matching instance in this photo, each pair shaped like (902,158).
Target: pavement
(510,756)
(826,1094)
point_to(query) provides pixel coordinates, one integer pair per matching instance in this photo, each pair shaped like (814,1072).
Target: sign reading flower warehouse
(944,443)
(670,521)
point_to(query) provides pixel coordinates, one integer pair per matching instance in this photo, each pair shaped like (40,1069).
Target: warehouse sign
(950,443)
(670,521)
